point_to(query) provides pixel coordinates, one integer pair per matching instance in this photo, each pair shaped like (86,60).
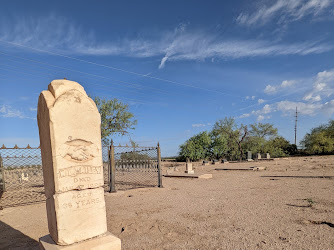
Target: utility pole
(296,116)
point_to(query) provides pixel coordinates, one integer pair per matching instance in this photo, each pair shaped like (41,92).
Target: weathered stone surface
(69,125)
(259,168)
(189,168)
(200,176)
(205,176)
(249,155)
(189,171)
(70,137)
(76,215)
(107,241)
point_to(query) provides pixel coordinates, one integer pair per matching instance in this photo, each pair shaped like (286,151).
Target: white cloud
(272,89)
(289,108)
(58,34)
(9,112)
(328,108)
(163,61)
(244,115)
(323,86)
(260,118)
(32,109)
(266,109)
(287,83)
(284,11)
(198,125)
(261,113)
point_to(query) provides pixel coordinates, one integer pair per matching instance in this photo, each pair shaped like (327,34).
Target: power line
(118,69)
(131,99)
(101,86)
(296,120)
(10,68)
(48,65)
(133,85)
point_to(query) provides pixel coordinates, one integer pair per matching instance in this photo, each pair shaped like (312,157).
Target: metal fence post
(159,166)
(2,183)
(112,168)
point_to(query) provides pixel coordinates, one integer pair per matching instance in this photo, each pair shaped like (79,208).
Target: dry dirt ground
(288,206)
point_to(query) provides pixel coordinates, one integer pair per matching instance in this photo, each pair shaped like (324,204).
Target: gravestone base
(189,171)
(107,241)
(191,176)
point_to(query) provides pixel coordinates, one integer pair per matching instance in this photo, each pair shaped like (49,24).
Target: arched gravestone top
(59,87)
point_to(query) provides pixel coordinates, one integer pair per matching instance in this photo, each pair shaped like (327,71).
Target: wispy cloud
(9,112)
(201,125)
(250,97)
(284,11)
(318,100)
(58,34)
(323,86)
(273,89)
(288,108)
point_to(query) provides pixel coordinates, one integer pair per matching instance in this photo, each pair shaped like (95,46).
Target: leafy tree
(254,144)
(233,134)
(115,118)
(263,130)
(196,148)
(218,147)
(230,141)
(264,139)
(277,147)
(320,140)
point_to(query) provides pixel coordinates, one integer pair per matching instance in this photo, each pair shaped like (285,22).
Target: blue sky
(180,65)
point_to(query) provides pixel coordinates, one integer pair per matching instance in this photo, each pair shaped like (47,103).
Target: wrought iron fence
(124,167)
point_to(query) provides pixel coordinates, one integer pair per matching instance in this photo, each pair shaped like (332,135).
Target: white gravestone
(189,168)
(70,138)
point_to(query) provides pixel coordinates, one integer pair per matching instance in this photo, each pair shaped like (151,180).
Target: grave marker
(70,137)
(189,168)
(249,156)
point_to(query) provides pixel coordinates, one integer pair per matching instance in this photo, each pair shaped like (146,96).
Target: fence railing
(124,167)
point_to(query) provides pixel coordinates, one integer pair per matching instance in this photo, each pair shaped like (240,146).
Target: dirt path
(234,210)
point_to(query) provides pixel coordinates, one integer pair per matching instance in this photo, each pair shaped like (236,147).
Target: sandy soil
(287,206)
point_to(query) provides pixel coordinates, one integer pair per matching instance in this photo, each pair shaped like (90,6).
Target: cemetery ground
(290,205)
